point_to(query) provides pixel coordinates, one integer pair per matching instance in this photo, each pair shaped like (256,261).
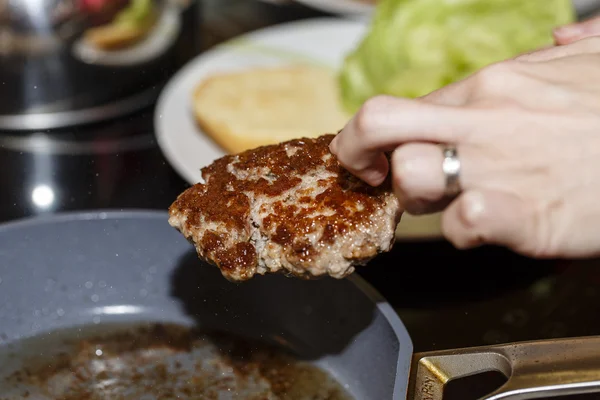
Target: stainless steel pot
(94,269)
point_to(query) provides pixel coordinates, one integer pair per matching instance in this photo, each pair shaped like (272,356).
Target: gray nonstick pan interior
(90,273)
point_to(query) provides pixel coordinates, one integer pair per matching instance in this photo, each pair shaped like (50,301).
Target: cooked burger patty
(286,208)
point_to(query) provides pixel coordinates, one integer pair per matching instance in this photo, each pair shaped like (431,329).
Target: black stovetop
(446,298)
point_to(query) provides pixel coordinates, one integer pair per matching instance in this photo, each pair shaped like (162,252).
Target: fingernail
(473,207)
(333,145)
(569,31)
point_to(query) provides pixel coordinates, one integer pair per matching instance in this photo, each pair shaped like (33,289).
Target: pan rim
(405,350)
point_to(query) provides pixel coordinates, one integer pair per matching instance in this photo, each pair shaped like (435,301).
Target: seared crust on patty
(286,208)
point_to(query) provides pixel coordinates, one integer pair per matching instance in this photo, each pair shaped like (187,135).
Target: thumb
(579,30)
(488,217)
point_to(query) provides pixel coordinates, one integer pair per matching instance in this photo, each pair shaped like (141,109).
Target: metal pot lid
(69,63)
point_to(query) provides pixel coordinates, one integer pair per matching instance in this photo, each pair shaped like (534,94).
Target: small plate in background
(159,40)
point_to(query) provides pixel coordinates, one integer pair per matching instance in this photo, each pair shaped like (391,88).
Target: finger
(584,46)
(572,32)
(487,217)
(384,123)
(417,178)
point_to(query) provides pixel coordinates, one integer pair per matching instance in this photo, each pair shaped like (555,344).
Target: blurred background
(103,104)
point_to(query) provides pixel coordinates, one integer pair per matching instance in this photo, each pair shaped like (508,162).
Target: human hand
(527,132)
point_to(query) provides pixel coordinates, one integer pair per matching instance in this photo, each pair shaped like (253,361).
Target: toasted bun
(263,106)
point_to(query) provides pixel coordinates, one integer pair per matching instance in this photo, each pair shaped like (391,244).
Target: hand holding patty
(527,136)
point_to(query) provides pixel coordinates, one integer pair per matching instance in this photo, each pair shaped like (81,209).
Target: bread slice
(261,106)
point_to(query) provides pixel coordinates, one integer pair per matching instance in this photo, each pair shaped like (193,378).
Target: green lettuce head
(416,46)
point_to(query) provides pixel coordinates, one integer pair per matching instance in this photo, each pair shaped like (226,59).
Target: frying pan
(90,271)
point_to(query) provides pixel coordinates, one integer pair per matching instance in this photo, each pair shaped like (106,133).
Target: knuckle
(366,118)
(493,78)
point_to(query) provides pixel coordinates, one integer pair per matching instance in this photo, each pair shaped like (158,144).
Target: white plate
(344,7)
(161,38)
(322,41)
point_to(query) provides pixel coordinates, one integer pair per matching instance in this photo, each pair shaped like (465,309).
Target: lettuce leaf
(416,46)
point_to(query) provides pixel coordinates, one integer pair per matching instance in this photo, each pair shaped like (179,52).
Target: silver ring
(451,168)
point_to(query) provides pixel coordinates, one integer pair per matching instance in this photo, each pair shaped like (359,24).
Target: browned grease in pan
(171,362)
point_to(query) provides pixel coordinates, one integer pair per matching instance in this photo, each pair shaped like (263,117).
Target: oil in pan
(157,361)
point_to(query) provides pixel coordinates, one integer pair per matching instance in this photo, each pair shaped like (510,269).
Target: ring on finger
(451,168)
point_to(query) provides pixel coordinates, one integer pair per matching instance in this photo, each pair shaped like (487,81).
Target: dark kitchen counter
(446,298)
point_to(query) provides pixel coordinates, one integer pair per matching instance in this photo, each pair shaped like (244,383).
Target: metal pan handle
(537,369)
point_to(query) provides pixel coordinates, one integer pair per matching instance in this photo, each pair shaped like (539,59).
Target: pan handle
(537,369)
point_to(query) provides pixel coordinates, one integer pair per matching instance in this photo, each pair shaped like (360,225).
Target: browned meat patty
(286,208)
